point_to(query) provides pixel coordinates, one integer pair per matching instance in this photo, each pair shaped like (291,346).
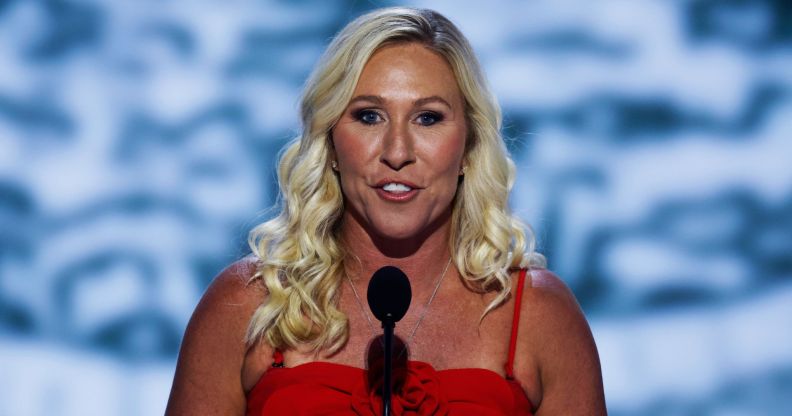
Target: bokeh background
(137,148)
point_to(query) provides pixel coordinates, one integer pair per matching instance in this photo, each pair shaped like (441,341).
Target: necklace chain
(420,318)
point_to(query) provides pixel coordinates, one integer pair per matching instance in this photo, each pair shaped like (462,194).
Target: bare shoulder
(547,291)
(549,306)
(208,372)
(232,287)
(557,353)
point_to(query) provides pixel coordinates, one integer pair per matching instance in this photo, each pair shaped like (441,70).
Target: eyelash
(437,117)
(360,115)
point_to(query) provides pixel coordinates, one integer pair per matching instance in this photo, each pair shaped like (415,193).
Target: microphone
(389,296)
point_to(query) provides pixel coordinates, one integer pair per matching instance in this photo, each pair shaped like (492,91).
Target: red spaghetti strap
(277,359)
(515,325)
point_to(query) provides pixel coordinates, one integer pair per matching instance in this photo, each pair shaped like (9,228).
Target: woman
(400,163)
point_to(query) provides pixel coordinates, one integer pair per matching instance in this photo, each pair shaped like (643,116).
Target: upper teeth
(396,187)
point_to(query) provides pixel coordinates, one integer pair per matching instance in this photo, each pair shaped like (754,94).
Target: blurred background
(137,148)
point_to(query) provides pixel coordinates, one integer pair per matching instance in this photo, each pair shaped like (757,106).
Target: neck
(421,257)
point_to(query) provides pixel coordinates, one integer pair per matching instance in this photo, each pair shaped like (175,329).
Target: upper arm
(208,372)
(563,354)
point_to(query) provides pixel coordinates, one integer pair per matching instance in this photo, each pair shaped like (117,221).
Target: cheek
(350,153)
(447,161)
(451,154)
(351,146)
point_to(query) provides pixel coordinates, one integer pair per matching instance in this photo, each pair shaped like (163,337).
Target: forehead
(409,71)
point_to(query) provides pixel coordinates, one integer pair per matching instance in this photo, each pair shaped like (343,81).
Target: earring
(462,170)
(334,165)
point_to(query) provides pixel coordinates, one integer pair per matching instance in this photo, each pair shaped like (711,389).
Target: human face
(400,142)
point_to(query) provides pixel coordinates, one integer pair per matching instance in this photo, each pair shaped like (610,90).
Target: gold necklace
(420,318)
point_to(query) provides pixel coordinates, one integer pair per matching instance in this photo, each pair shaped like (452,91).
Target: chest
(449,333)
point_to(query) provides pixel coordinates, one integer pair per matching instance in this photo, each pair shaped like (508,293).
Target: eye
(428,118)
(367,116)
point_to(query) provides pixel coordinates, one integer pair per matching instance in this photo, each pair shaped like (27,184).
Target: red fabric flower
(417,394)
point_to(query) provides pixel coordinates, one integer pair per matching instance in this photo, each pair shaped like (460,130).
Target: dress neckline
(345,367)
(352,367)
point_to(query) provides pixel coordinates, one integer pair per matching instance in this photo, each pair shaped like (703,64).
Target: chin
(407,224)
(399,225)
(392,232)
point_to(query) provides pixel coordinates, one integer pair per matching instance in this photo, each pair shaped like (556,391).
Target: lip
(400,197)
(386,181)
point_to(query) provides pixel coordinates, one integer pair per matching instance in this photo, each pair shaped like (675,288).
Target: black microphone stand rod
(389,296)
(387,325)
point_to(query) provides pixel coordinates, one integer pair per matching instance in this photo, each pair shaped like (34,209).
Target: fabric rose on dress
(417,394)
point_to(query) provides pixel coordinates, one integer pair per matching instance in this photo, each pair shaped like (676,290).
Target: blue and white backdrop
(137,141)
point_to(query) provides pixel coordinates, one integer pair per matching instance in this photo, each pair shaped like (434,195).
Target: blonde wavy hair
(300,256)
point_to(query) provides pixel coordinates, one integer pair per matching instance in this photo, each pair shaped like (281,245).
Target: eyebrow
(371,98)
(432,99)
(419,102)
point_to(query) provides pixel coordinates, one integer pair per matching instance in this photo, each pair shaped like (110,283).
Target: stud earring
(462,170)
(334,165)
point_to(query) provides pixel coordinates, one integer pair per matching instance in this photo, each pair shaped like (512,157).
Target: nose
(398,147)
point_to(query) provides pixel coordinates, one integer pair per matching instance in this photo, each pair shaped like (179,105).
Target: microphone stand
(388,297)
(387,326)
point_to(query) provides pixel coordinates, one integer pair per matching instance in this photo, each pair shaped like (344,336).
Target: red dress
(323,388)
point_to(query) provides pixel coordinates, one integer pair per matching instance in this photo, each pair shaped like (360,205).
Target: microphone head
(389,294)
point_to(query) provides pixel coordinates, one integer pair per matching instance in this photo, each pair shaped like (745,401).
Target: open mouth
(396,191)
(396,188)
